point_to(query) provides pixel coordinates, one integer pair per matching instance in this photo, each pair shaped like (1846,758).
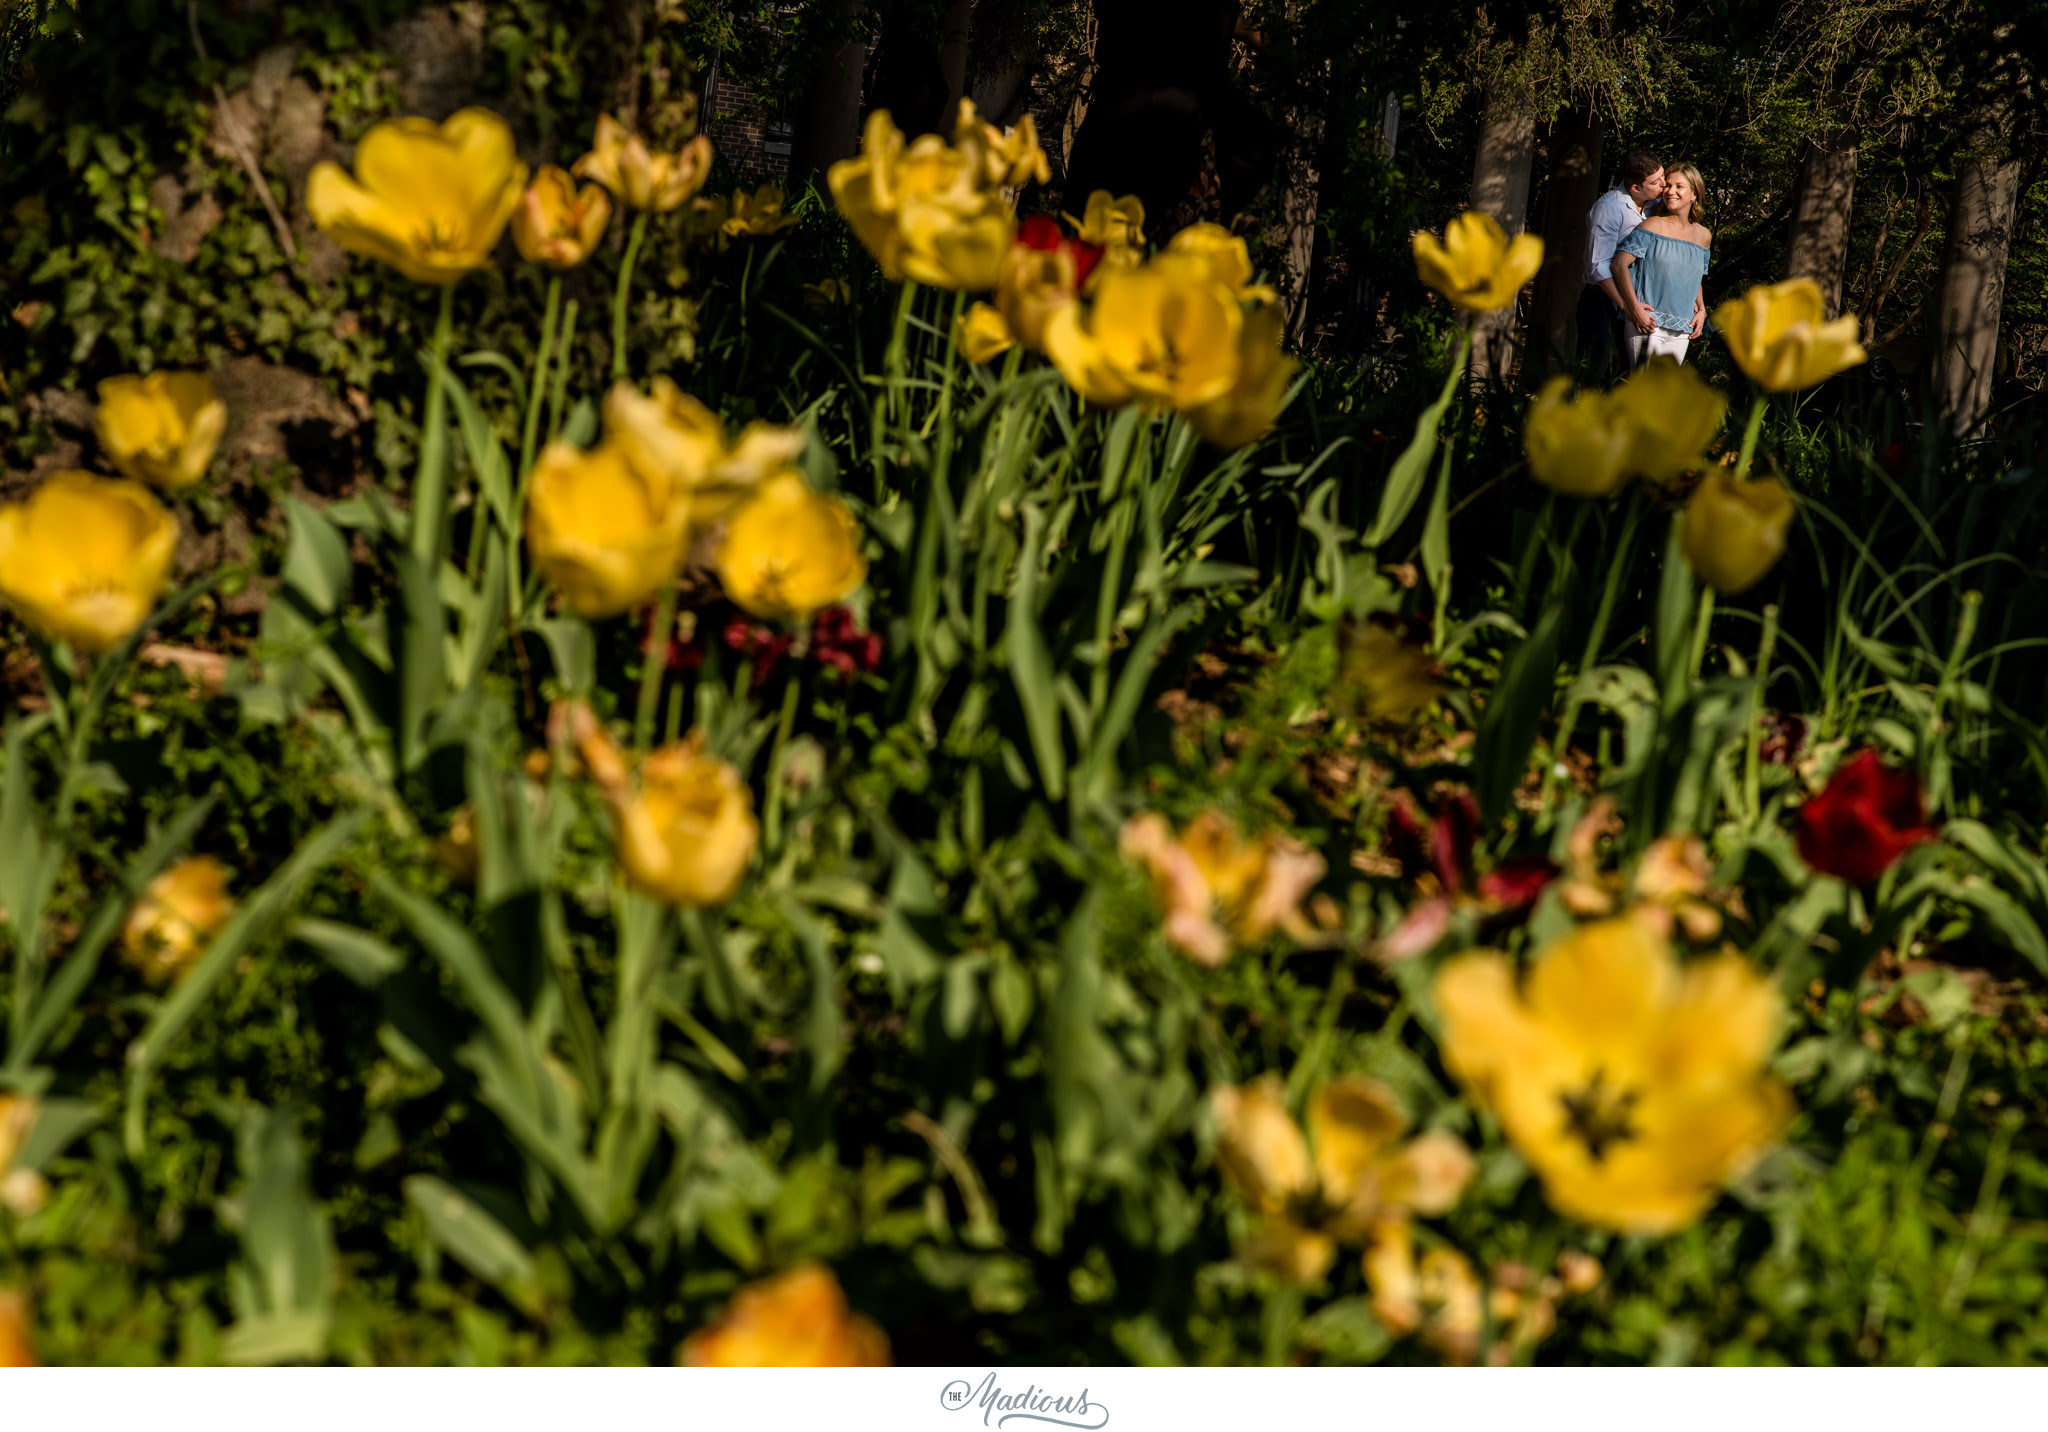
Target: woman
(1658,267)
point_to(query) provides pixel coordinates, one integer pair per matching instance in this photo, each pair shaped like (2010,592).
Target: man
(1602,330)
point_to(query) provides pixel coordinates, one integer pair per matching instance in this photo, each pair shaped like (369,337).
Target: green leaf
(418,634)
(58,1122)
(249,924)
(1507,730)
(573,648)
(1436,536)
(824,1029)
(1030,662)
(486,455)
(1411,468)
(476,1240)
(358,954)
(316,560)
(75,975)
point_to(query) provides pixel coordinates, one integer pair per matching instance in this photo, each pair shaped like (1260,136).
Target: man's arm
(1638,312)
(1699,312)
(1603,227)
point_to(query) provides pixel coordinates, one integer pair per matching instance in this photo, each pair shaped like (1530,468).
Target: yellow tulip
(1219,889)
(1166,335)
(1114,225)
(1634,1087)
(789,552)
(17,1347)
(23,1191)
(1440,1297)
(983,334)
(1380,675)
(557,225)
(1360,1171)
(1264,373)
(794,1319)
(1009,157)
(1778,336)
(1580,446)
(685,830)
(924,211)
(604,532)
(1673,413)
(84,558)
(1033,284)
(672,438)
(160,429)
(639,178)
(1228,257)
(1475,265)
(1733,531)
(688,833)
(428,199)
(755,215)
(169,927)
(827,294)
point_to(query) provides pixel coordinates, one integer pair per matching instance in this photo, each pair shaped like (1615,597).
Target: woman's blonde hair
(1695,183)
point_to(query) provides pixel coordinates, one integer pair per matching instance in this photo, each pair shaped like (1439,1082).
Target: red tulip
(1044,234)
(1867,817)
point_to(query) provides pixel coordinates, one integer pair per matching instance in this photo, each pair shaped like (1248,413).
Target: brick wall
(742,130)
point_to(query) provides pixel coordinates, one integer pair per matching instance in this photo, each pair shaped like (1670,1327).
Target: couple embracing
(1646,255)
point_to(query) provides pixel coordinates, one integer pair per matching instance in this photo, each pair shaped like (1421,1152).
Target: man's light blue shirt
(1613,215)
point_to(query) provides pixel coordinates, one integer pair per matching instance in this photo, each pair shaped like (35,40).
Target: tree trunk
(1500,187)
(1077,112)
(1162,81)
(999,69)
(1822,195)
(954,27)
(1568,195)
(1298,214)
(827,127)
(1980,225)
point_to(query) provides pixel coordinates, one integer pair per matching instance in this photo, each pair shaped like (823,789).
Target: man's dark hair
(1638,166)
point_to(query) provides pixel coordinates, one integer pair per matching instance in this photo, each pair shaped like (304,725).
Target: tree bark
(1298,207)
(1162,80)
(1568,194)
(1980,225)
(1823,194)
(999,69)
(1500,187)
(954,28)
(1077,112)
(827,127)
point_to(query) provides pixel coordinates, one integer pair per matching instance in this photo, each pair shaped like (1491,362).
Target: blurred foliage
(514,1114)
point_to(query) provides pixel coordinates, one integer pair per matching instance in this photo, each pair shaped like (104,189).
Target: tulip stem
(619,295)
(785,721)
(537,389)
(1752,774)
(565,345)
(1701,622)
(1749,435)
(892,356)
(654,665)
(1617,567)
(430,488)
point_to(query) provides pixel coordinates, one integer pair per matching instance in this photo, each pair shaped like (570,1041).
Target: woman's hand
(1699,323)
(1645,321)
